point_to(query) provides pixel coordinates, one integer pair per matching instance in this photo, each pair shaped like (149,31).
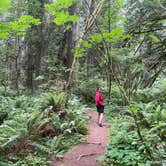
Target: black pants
(100,109)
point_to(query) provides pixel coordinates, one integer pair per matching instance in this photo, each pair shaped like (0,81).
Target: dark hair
(97,88)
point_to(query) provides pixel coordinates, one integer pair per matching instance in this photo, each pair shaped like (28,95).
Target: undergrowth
(138,131)
(34,128)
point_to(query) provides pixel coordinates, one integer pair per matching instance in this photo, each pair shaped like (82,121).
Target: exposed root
(86,155)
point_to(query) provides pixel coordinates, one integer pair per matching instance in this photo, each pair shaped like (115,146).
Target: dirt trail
(88,153)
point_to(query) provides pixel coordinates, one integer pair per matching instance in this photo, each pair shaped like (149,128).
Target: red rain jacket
(99,99)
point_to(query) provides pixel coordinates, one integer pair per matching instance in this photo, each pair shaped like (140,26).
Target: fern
(51,147)
(22,127)
(26,126)
(57,101)
(42,148)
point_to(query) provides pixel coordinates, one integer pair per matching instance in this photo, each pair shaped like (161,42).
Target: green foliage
(152,115)
(87,89)
(30,160)
(32,126)
(114,36)
(4,30)
(34,7)
(59,10)
(51,147)
(148,112)
(56,101)
(23,23)
(86,44)
(56,146)
(154,38)
(4,6)
(21,127)
(121,150)
(64,17)
(76,122)
(60,5)
(125,147)
(114,14)
(80,50)
(3,116)
(132,41)
(116,97)
(156,93)
(19,27)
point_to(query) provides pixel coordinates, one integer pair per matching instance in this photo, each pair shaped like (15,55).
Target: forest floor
(86,154)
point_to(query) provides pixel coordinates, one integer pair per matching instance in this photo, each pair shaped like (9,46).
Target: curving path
(86,154)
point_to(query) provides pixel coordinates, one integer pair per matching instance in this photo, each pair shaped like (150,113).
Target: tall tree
(35,46)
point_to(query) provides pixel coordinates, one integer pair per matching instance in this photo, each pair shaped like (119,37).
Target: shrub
(29,160)
(116,97)
(126,147)
(56,101)
(87,89)
(39,125)
(156,93)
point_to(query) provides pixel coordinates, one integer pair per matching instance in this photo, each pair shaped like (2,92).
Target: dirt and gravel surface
(86,154)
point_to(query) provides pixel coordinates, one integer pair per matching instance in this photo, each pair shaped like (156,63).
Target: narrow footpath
(86,154)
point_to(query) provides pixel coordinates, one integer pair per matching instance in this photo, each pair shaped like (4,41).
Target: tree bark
(69,42)
(35,50)
(89,22)
(69,46)
(30,66)
(39,44)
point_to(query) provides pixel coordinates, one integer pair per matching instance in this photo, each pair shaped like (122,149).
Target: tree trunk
(15,55)
(30,67)
(39,44)
(89,23)
(91,6)
(14,75)
(70,41)
(69,46)
(35,49)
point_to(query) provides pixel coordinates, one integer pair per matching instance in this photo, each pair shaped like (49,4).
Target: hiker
(100,105)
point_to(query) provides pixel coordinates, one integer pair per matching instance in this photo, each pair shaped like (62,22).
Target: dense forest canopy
(39,40)
(55,52)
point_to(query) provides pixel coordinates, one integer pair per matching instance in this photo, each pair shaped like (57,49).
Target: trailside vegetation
(53,56)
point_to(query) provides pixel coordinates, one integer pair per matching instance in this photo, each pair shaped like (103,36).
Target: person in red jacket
(99,101)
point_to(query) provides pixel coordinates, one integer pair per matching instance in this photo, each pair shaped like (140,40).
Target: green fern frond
(42,148)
